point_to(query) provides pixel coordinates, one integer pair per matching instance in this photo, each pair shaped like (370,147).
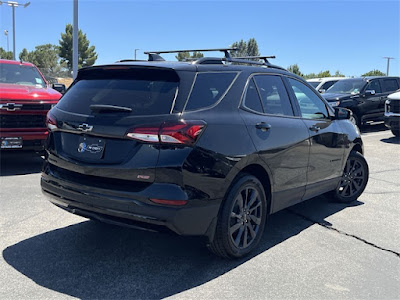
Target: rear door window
(274,97)
(147,91)
(390,85)
(252,99)
(208,89)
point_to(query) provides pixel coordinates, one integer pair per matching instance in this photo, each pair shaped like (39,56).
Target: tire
(241,219)
(355,120)
(396,132)
(354,178)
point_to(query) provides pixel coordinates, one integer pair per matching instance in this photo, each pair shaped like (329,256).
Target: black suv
(364,96)
(209,147)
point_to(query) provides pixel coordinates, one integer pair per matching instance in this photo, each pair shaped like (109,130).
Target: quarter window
(311,106)
(208,89)
(273,94)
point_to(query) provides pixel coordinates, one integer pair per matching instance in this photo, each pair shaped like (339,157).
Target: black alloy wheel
(354,178)
(245,219)
(242,218)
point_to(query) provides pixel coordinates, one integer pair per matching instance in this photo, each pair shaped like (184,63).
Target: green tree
(25,55)
(324,74)
(45,57)
(5,54)
(249,48)
(295,70)
(86,54)
(374,73)
(338,74)
(182,56)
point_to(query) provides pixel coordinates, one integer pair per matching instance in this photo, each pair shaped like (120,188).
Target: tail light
(51,122)
(180,132)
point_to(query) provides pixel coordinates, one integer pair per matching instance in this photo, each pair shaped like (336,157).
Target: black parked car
(209,147)
(364,96)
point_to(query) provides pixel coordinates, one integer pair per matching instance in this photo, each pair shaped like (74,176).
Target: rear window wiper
(109,108)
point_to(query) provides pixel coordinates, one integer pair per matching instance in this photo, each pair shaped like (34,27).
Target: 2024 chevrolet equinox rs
(209,147)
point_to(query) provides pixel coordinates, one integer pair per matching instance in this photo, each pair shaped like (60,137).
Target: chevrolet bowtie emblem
(10,106)
(85,127)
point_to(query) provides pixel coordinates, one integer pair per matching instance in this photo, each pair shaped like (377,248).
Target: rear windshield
(21,74)
(146,91)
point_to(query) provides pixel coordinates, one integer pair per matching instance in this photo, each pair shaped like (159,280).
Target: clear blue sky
(350,36)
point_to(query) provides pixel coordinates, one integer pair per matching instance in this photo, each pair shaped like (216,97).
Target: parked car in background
(200,148)
(25,99)
(324,83)
(364,96)
(392,113)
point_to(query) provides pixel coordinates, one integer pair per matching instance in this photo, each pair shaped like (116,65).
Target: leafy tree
(186,55)
(295,69)
(249,48)
(374,73)
(25,55)
(311,75)
(86,54)
(45,57)
(5,54)
(338,74)
(324,74)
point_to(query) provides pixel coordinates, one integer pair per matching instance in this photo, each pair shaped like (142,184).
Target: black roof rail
(265,58)
(155,55)
(239,60)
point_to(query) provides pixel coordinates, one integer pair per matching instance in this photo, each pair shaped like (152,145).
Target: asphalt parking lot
(315,250)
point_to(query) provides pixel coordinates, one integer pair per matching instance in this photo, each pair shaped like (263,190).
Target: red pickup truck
(25,99)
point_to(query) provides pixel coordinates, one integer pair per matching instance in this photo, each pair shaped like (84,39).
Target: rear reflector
(169,202)
(180,132)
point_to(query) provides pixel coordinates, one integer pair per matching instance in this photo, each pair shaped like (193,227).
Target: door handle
(263,126)
(314,128)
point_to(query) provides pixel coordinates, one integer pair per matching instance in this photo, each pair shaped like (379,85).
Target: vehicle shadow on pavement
(373,127)
(92,260)
(391,140)
(20,163)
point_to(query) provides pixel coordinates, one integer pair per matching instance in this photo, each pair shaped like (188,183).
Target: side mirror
(342,113)
(369,92)
(322,91)
(59,87)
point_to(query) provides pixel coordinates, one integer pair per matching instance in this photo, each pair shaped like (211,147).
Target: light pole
(75,56)
(135,52)
(8,44)
(14,4)
(388,63)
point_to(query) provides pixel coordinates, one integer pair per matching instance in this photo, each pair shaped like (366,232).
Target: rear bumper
(392,121)
(134,209)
